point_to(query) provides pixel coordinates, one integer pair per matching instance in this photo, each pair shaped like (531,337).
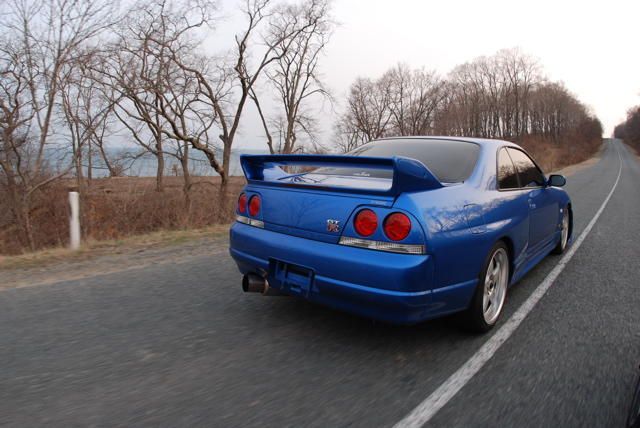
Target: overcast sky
(593,47)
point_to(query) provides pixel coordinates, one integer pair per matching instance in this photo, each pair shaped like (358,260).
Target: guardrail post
(74,221)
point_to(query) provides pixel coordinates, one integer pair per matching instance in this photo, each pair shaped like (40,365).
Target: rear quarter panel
(463,221)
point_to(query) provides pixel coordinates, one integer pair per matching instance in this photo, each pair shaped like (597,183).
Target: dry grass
(115,208)
(93,248)
(552,156)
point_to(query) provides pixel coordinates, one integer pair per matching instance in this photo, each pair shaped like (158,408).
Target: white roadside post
(74,221)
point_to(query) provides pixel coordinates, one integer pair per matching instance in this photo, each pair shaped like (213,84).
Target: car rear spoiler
(409,175)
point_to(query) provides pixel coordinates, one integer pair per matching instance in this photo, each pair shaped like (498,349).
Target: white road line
(445,392)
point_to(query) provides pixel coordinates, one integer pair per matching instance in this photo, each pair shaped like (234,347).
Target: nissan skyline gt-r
(401,229)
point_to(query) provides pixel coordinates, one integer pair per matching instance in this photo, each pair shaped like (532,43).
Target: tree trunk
(186,176)
(77,154)
(110,168)
(224,183)
(160,171)
(289,137)
(222,197)
(18,210)
(26,222)
(90,163)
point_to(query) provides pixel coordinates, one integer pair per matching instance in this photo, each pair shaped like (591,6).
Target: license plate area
(293,278)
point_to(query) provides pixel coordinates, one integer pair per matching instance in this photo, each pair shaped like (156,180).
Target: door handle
(532,204)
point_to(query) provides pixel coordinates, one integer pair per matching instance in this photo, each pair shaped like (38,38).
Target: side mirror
(556,180)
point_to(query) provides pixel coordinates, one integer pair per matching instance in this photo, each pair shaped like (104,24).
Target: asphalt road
(181,345)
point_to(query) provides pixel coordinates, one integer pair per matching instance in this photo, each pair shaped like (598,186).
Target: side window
(530,175)
(507,177)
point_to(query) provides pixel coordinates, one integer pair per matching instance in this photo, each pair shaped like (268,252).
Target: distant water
(146,165)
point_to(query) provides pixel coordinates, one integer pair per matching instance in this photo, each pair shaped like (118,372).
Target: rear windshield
(450,161)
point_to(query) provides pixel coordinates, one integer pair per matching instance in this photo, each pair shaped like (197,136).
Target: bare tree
(165,88)
(415,96)
(629,130)
(189,116)
(520,73)
(401,102)
(41,41)
(295,74)
(347,137)
(501,96)
(86,112)
(129,70)
(141,69)
(490,96)
(154,90)
(101,124)
(369,108)
(223,91)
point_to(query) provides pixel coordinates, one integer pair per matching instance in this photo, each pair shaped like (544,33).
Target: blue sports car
(400,229)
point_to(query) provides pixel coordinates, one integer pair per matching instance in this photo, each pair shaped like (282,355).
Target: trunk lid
(311,213)
(317,203)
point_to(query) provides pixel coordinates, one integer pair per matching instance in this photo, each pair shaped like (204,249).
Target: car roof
(488,142)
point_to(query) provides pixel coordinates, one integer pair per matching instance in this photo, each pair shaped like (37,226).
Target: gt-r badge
(333,225)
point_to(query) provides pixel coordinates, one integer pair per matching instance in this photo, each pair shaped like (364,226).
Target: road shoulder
(101,258)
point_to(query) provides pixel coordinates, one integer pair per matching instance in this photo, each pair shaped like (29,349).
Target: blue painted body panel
(458,224)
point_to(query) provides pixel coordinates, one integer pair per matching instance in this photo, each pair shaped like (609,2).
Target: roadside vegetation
(504,96)
(79,78)
(629,130)
(121,207)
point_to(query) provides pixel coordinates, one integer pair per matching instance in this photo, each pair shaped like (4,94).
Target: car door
(543,207)
(514,206)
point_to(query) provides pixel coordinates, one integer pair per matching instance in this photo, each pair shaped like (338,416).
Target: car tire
(565,232)
(491,293)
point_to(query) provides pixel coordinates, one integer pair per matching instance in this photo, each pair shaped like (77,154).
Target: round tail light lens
(366,222)
(397,226)
(242,203)
(254,205)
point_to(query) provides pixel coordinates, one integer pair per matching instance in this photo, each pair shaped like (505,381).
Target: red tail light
(366,222)
(254,205)
(242,203)
(397,226)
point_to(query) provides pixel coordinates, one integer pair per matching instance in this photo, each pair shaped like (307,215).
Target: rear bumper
(386,286)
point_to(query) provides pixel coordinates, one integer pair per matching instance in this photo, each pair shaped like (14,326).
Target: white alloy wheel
(496,281)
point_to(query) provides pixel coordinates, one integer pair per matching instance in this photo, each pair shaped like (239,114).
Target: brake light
(254,205)
(397,226)
(242,203)
(366,222)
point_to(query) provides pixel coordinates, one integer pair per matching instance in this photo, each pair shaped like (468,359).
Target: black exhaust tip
(252,283)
